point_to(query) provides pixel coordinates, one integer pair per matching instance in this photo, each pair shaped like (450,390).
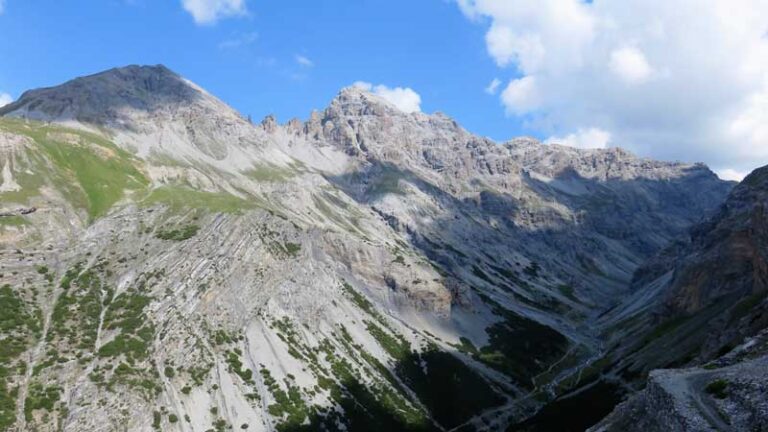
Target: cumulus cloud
(584,139)
(683,80)
(5,99)
(630,65)
(210,11)
(304,61)
(405,99)
(521,95)
(493,87)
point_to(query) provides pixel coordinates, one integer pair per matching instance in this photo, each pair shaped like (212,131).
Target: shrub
(717,388)
(292,248)
(41,398)
(179,234)
(156,419)
(169,372)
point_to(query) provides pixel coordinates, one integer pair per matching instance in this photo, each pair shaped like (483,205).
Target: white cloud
(493,87)
(210,11)
(2,6)
(675,80)
(584,139)
(5,99)
(535,34)
(521,95)
(304,61)
(404,99)
(630,65)
(238,41)
(731,174)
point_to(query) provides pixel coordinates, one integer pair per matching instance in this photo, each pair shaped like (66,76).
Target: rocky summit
(168,265)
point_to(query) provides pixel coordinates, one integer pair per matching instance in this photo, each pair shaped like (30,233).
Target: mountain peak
(101,97)
(134,70)
(357,100)
(147,108)
(157,78)
(750,195)
(756,180)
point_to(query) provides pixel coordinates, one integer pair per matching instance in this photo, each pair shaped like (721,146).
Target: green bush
(169,372)
(179,234)
(156,419)
(41,398)
(292,248)
(718,388)
(236,366)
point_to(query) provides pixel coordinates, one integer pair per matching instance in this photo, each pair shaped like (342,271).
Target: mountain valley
(166,264)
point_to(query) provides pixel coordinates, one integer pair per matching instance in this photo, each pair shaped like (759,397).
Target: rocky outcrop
(23,211)
(727,395)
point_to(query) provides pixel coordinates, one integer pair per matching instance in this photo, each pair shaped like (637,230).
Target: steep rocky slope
(710,314)
(609,209)
(167,265)
(705,290)
(728,255)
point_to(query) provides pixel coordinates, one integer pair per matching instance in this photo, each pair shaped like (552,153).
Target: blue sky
(251,61)
(684,80)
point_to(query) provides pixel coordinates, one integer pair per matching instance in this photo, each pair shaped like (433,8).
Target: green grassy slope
(88,170)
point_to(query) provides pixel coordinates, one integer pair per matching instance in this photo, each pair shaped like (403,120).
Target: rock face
(728,255)
(710,313)
(726,395)
(368,269)
(608,208)
(706,292)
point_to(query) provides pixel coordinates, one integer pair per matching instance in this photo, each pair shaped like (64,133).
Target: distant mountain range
(168,265)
